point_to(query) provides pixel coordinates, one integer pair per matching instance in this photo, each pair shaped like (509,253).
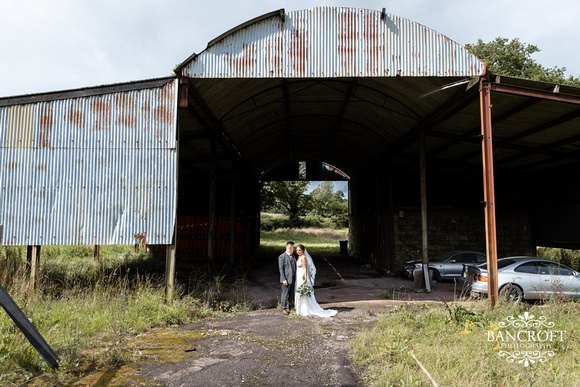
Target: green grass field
(88,311)
(452,343)
(316,241)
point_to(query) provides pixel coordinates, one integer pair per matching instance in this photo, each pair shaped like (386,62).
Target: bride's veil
(310,267)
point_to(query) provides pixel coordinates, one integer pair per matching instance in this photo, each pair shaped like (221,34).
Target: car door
(559,281)
(454,265)
(527,277)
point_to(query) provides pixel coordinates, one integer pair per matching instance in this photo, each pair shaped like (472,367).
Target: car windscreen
(500,263)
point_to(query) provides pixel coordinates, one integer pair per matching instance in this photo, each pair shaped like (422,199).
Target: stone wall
(453,229)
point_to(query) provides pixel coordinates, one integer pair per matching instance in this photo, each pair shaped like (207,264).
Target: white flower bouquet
(305,290)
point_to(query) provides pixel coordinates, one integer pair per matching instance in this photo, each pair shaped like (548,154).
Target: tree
(330,204)
(322,198)
(286,196)
(513,58)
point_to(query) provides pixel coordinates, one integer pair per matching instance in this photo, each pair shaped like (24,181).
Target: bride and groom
(296,272)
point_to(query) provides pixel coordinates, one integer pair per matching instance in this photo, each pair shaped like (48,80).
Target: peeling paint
(76,156)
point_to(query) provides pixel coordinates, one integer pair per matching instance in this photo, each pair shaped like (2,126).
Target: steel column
(424,238)
(390,219)
(233,221)
(488,189)
(28,329)
(211,217)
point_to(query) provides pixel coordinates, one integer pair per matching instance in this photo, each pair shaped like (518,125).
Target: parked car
(448,265)
(525,278)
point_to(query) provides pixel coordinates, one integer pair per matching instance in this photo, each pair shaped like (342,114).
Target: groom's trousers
(287,293)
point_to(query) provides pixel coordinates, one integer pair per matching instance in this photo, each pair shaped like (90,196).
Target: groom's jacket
(287,266)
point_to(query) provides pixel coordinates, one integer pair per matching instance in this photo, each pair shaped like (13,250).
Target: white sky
(65,44)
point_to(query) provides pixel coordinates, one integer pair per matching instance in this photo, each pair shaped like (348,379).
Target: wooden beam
(170,271)
(33,258)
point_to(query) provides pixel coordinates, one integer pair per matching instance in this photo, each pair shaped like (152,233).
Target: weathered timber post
(96,253)
(33,258)
(169,271)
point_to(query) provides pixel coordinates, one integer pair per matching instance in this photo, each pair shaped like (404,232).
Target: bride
(305,273)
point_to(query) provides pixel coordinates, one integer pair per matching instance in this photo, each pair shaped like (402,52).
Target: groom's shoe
(285,313)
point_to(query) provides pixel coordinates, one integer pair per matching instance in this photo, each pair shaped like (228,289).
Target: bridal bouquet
(305,290)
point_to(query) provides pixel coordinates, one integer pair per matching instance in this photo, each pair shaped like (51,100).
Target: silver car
(525,278)
(448,265)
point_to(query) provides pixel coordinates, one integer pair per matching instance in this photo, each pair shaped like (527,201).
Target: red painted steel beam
(567,98)
(485,88)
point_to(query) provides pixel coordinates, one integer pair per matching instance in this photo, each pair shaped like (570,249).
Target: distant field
(315,240)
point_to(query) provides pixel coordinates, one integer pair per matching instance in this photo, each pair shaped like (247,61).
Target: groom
(287,266)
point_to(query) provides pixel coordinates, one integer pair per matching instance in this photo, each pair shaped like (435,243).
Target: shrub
(270,222)
(570,258)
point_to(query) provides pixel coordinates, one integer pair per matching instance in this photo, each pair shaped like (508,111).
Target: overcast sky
(67,44)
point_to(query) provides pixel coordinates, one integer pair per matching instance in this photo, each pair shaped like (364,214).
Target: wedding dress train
(307,306)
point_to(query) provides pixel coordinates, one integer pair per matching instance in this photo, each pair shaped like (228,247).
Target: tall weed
(89,310)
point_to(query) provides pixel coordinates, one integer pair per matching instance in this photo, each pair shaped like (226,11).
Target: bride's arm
(305,266)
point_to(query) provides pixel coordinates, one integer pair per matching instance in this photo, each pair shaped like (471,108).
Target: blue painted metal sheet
(332,42)
(91,170)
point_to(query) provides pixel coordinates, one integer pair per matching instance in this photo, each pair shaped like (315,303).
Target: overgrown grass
(451,341)
(88,311)
(317,241)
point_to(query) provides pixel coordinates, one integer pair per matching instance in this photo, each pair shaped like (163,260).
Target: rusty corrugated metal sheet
(90,170)
(333,42)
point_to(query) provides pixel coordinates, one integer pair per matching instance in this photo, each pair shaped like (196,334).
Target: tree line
(323,206)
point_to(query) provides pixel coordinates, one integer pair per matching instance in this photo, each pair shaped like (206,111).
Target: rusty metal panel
(90,170)
(333,42)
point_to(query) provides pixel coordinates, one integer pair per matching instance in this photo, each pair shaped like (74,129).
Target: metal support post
(424,239)
(212,204)
(488,188)
(29,331)
(233,221)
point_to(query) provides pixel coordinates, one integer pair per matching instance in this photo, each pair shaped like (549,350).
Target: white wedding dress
(307,306)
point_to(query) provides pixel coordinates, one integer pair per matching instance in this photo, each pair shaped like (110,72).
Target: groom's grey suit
(287,266)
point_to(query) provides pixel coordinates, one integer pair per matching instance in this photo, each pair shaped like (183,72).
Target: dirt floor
(266,348)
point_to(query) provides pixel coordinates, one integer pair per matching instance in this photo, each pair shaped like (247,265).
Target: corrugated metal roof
(332,42)
(96,169)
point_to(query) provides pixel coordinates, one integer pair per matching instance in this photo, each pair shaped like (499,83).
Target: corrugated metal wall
(90,170)
(334,42)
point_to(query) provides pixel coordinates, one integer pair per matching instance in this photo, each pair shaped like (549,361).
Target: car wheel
(437,276)
(511,293)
